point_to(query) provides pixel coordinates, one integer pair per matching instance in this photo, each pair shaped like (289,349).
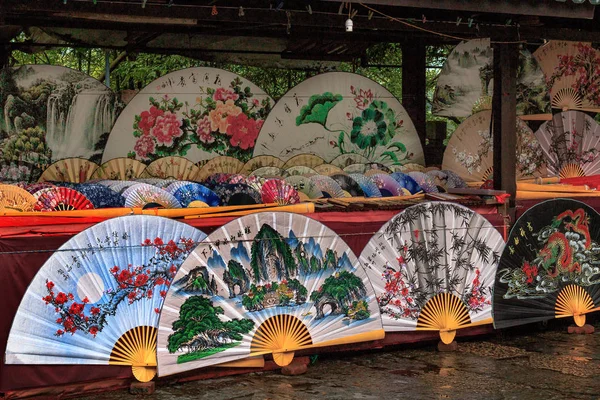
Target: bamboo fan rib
(444,312)
(574,301)
(137,347)
(278,335)
(571,171)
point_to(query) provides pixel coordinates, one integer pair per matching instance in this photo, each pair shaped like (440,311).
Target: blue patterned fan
(367,185)
(388,186)
(97,300)
(237,195)
(101,196)
(186,192)
(407,182)
(425,181)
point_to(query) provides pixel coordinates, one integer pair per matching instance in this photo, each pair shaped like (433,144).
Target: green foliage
(340,286)
(196,355)
(269,238)
(29,145)
(318,108)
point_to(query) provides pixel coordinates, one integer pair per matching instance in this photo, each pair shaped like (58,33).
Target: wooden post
(414,84)
(4,53)
(504,118)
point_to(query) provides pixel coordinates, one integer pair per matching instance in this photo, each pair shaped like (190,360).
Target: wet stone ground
(515,364)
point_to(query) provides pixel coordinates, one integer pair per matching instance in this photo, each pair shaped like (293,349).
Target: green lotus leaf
(318,108)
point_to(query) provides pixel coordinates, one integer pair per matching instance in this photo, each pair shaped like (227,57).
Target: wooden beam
(414,84)
(504,118)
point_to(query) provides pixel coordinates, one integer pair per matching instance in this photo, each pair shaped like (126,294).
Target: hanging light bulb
(349,25)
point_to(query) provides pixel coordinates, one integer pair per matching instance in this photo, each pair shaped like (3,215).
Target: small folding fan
(453,180)
(433,267)
(344,160)
(261,161)
(571,76)
(407,182)
(550,265)
(388,185)
(303,160)
(299,170)
(179,168)
(222,164)
(438,177)
(237,195)
(97,299)
(363,168)
(304,185)
(76,170)
(268,172)
(237,178)
(120,186)
(100,196)
(367,185)
(571,144)
(34,187)
(328,186)
(412,167)
(158,182)
(267,283)
(189,192)
(348,184)
(61,199)
(143,195)
(13,198)
(470,150)
(328,169)
(121,168)
(424,181)
(215,179)
(280,192)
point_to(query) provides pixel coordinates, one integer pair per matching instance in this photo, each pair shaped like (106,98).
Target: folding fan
(407,182)
(304,185)
(433,267)
(367,185)
(303,160)
(300,170)
(344,160)
(255,182)
(237,178)
(388,186)
(328,169)
(373,172)
(121,168)
(328,186)
(280,192)
(412,167)
(97,299)
(453,180)
(259,162)
(215,179)
(571,76)
(570,144)
(101,196)
(237,195)
(120,186)
(348,184)
(424,181)
(61,199)
(34,187)
(439,178)
(267,172)
(363,168)
(269,283)
(179,168)
(13,198)
(69,170)
(189,192)
(470,150)
(550,266)
(220,164)
(143,195)
(158,182)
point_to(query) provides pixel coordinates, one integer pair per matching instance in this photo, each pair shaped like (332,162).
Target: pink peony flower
(167,127)
(219,116)
(148,119)
(144,146)
(222,94)
(204,131)
(243,131)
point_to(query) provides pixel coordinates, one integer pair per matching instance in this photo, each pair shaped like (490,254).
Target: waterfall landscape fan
(97,300)
(267,283)
(50,113)
(433,267)
(550,265)
(335,113)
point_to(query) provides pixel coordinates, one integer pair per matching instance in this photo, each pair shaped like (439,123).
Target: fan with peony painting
(550,265)
(433,267)
(267,283)
(97,300)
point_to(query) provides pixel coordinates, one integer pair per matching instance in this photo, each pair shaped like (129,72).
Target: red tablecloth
(26,243)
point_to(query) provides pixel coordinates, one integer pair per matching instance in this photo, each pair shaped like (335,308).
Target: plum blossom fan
(433,267)
(570,143)
(98,299)
(550,265)
(470,150)
(121,168)
(179,168)
(424,181)
(407,182)
(267,283)
(280,192)
(75,170)
(388,186)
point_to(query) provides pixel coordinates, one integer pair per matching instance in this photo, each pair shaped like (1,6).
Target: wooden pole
(4,54)
(504,117)
(414,85)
